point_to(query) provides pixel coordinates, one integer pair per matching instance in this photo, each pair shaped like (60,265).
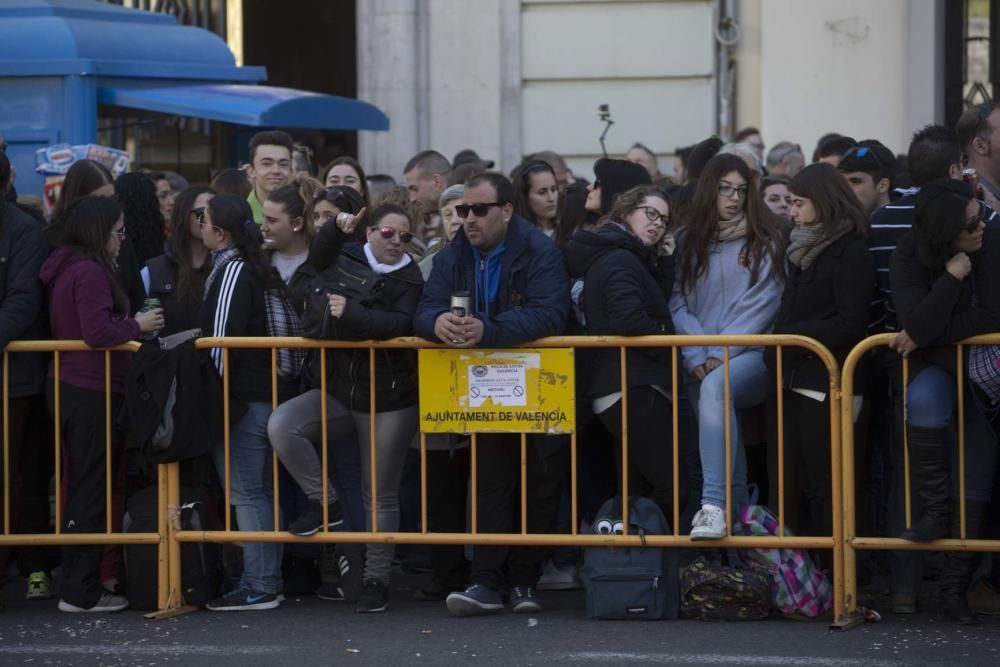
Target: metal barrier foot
(853,619)
(170,613)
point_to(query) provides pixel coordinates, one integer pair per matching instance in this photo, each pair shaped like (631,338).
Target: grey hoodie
(723,301)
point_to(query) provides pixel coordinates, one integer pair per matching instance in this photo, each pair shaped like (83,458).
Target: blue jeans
(930,402)
(251,494)
(748,386)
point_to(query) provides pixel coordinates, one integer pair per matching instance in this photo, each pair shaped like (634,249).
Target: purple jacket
(81,306)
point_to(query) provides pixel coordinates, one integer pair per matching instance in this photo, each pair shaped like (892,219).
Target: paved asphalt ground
(308,631)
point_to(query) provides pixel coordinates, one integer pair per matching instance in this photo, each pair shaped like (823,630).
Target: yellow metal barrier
(833,542)
(168,587)
(852,541)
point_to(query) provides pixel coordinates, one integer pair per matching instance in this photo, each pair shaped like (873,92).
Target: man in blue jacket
(519,291)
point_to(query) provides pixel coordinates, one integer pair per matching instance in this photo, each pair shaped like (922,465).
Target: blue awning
(255,106)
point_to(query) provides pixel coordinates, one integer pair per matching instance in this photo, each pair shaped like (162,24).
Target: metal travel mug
(461,304)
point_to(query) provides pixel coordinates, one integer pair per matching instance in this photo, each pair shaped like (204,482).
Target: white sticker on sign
(503,384)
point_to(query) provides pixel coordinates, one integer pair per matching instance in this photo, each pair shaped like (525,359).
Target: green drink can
(151,304)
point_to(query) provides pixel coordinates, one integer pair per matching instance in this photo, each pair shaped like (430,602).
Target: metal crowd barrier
(168,595)
(169,537)
(854,542)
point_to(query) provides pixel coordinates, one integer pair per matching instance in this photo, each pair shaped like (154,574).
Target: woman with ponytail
(244,296)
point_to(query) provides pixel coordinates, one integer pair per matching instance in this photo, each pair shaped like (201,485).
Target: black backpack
(639,583)
(201,562)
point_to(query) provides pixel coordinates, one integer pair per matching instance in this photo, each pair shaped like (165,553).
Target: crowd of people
(736,241)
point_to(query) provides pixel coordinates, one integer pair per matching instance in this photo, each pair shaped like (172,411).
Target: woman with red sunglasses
(385,311)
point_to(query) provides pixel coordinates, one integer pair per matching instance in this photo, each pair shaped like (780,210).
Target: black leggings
(650,448)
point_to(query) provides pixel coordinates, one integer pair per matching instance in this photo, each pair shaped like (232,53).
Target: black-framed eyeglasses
(388,232)
(199,213)
(479,210)
(972,224)
(730,190)
(653,215)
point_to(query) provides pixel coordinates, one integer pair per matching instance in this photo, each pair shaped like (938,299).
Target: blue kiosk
(60,60)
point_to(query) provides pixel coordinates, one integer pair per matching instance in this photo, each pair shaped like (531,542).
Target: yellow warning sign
(497,391)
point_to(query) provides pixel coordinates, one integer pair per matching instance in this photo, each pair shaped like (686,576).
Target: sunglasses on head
(388,232)
(864,152)
(479,210)
(328,194)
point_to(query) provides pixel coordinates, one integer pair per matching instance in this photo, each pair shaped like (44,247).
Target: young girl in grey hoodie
(730,275)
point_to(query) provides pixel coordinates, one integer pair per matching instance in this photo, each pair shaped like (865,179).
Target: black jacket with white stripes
(234,306)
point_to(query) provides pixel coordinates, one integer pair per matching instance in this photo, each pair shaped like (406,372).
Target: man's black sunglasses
(479,210)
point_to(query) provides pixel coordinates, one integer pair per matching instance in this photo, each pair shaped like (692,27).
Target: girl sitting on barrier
(86,302)
(831,278)
(385,311)
(730,276)
(946,286)
(628,274)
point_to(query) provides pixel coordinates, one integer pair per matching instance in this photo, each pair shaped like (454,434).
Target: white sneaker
(558,579)
(709,523)
(107,603)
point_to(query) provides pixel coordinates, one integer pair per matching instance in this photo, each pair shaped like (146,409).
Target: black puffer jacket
(388,314)
(626,293)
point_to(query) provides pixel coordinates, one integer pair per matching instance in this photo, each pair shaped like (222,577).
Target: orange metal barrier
(833,542)
(168,588)
(854,542)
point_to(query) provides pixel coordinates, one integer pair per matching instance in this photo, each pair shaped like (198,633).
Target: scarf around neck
(379,267)
(731,230)
(806,243)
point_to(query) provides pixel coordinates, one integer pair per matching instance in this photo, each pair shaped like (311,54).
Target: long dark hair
(233,215)
(87,225)
(764,236)
(190,281)
(83,178)
(521,179)
(356,166)
(144,223)
(938,218)
(831,196)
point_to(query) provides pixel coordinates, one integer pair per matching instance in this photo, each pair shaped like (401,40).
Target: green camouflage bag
(722,593)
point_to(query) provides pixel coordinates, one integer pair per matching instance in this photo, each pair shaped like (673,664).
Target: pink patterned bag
(798,587)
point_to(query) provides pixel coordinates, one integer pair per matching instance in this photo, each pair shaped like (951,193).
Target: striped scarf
(281,318)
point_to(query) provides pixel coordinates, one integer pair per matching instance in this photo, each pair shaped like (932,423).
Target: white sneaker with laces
(709,523)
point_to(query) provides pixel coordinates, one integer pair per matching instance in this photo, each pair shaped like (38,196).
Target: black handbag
(346,277)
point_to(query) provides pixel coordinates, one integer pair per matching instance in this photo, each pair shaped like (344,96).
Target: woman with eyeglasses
(946,285)
(177,277)
(628,271)
(385,312)
(536,196)
(730,274)
(86,302)
(831,278)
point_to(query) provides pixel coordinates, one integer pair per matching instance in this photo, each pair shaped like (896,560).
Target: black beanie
(616,177)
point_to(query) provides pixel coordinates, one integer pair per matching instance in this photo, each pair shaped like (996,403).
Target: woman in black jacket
(946,286)
(628,272)
(830,281)
(385,312)
(177,277)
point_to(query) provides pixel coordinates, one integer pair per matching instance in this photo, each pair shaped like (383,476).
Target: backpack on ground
(716,592)
(201,562)
(638,583)
(798,587)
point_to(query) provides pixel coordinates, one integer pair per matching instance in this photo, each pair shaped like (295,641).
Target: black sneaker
(244,598)
(311,521)
(476,600)
(523,600)
(374,598)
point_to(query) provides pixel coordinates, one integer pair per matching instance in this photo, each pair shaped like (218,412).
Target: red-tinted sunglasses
(389,232)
